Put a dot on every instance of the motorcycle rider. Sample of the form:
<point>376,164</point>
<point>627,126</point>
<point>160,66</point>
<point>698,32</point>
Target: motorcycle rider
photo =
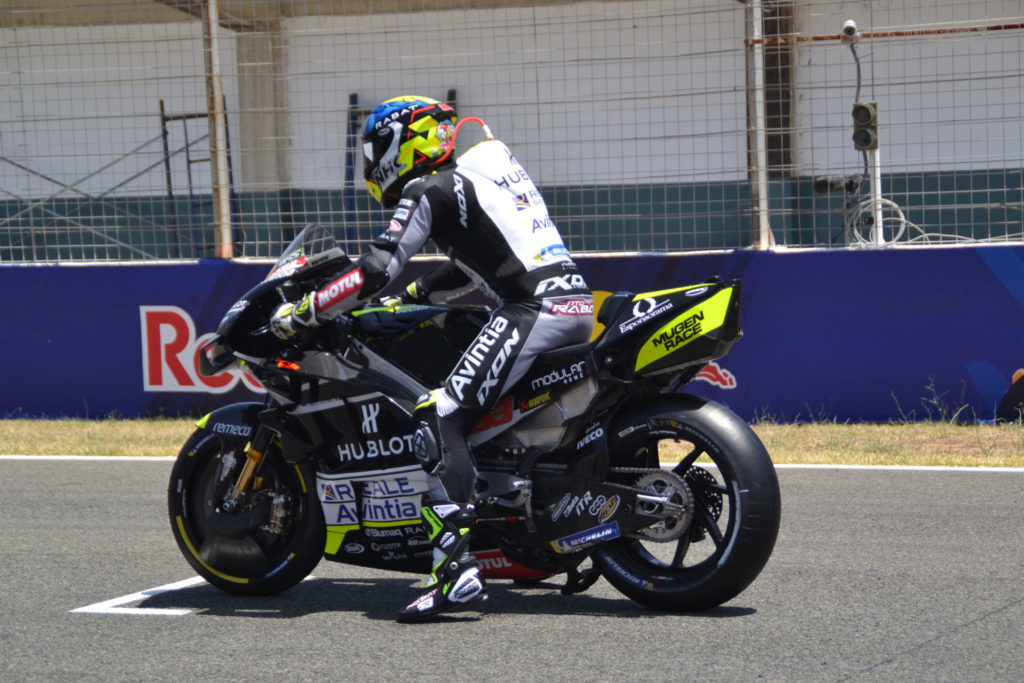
<point>485,213</point>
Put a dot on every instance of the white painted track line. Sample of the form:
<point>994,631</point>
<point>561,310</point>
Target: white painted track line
<point>116,605</point>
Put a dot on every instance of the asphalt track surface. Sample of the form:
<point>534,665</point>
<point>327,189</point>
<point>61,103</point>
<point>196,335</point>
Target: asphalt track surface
<point>878,575</point>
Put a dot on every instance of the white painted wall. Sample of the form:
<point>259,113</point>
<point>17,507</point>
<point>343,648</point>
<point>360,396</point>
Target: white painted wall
<point>78,100</point>
<point>583,93</point>
<point>589,92</point>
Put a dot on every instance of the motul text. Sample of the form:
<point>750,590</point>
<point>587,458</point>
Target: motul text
<point>339,290</point>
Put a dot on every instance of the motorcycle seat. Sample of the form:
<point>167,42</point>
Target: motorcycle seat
<point>562,353</point>
<point>613,307</point>
<point>609,312</point>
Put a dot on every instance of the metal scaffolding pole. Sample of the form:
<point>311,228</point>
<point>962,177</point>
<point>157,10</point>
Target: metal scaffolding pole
<point>759,169</point>
<point>221,190</point>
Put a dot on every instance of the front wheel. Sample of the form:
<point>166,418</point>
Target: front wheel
<point>724,475</point>
<point>264,544</point>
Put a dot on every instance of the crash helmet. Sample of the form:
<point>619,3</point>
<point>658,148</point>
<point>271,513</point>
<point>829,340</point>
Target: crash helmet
<point>404,138</point>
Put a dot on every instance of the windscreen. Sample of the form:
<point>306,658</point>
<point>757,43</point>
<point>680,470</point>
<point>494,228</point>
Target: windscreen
<point>298,255</point>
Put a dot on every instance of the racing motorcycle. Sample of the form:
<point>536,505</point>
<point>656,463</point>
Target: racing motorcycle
<point>571,474</point>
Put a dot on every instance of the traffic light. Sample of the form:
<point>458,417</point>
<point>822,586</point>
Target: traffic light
<point>865,126</point>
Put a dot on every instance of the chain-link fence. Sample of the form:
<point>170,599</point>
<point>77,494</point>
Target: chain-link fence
<point>145,129</point>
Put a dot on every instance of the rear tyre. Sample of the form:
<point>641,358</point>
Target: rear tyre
<point>735,498</point>
<point>268,543</point>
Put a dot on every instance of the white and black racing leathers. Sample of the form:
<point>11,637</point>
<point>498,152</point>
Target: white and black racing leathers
<point>486,214</point>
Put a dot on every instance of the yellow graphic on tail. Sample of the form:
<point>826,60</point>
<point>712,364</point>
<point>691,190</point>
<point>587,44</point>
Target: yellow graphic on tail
<point>691,324</point>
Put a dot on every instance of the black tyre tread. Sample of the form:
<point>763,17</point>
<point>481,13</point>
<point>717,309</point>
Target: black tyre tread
<point>760,512</point>
<point>307,549</point>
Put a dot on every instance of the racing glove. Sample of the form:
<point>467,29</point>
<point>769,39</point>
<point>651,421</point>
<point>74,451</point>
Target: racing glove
<point>291,317</point>
<point>414,293</point>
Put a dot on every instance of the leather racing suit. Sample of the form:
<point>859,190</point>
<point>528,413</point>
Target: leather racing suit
<point>487,215</point>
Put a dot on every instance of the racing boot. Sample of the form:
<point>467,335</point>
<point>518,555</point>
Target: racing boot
<point>455,580</point>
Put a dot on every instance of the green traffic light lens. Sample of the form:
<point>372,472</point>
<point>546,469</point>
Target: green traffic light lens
<point>864,139</point>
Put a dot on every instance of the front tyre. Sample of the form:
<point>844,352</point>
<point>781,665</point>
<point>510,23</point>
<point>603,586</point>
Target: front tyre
<point>735,499</point>
<point>267,544</point>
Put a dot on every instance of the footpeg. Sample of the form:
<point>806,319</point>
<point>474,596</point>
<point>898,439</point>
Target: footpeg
<point>579,581</point>
<point>504,490</point>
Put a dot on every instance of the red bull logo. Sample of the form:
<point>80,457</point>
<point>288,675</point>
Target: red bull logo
<point>715,374</point>
<point>170,355</point>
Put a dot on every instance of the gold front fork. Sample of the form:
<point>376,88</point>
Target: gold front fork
<point>255,451</point>
<point>253,459</point>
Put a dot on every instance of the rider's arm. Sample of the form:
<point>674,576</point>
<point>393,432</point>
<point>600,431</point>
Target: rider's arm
<point>439,285</point>
<point>384,259</point>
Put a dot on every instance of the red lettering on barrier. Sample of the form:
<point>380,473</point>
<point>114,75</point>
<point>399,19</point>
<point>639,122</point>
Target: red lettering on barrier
<point>251,382</point>
<point>220,381</point>
<point>715,374</point>
<point>170,355</point>
<point>160,354</point>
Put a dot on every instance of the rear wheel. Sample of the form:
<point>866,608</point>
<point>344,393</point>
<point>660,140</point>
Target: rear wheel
<point>724,476</point>
<point>265,543</point>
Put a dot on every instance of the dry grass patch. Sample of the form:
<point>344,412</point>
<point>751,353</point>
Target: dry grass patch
<point>155,437</point>
<point>924,443</point>
<point>919,443</point>
<point>911,444</point>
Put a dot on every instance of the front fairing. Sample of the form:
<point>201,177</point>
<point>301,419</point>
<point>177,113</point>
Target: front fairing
<point>311,256</point>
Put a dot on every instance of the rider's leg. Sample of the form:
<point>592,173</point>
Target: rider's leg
<point>499,356</point>
<point>440,443</point>
<point>448,517</point>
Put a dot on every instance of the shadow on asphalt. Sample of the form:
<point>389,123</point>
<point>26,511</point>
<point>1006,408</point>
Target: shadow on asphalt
<point>381,598</point>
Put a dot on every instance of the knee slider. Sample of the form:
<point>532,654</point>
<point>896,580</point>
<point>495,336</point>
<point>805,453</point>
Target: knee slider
<point>425,448</point>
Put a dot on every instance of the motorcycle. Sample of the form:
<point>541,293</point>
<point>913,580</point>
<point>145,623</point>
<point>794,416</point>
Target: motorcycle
<point>570,459</point>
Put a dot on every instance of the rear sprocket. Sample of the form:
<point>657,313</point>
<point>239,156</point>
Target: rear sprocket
<point>678,511</point>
